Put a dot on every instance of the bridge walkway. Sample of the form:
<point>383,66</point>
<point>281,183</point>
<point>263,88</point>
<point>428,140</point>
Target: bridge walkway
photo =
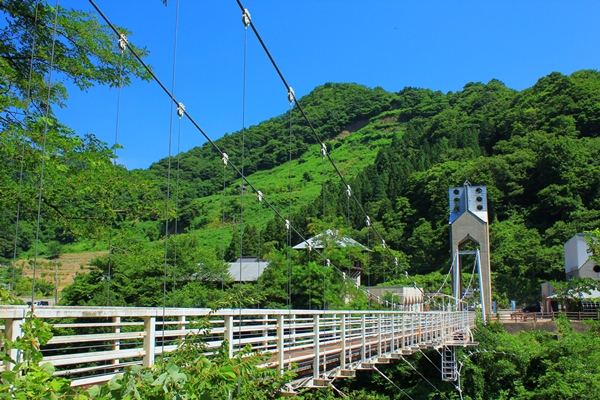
<point>92,344</point>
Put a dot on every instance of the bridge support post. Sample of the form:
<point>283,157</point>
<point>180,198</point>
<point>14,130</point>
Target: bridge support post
<point>280,342</point>
<point>317,346</point>
<point>266,331</point>
<point>393,333</point>
<point>343,339</point>
<point>228,334</point>
<point>379,349</point>
<point>363,339</point>
<point>117,343</point>
<point>149,341</point>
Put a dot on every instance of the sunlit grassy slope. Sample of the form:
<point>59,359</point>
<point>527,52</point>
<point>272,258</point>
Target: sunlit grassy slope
<point>291,185</point>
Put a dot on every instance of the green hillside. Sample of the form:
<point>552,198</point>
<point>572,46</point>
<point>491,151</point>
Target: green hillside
<point>536,150</point>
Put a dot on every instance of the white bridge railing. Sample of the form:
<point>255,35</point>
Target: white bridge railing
<point>92,344</point>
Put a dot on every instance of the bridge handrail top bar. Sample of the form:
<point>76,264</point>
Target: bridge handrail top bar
<point>20,311</point>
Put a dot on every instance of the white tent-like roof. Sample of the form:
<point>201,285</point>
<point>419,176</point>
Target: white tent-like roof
<point>323,239</point>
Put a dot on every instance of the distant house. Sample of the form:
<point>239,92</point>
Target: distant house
<point>577,258</point>
<point>247,269</point>
<point>578,264</point>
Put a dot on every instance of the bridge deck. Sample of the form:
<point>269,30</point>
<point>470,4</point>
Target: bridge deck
<point>92,344</point>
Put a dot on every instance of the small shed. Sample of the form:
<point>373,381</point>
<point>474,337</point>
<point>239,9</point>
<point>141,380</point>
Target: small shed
<point>247,269</point>
<point>408,297</point>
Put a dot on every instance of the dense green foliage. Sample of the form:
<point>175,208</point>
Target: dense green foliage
<point>82,190</point>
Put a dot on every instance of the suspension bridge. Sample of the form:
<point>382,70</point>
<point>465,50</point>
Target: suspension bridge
<point>319,346</point>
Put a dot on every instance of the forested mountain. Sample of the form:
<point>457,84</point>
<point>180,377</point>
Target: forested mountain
<point>536,150</point>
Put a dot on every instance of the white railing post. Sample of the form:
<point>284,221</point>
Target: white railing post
<point>343,338</point>
<point>149,340</point>
<point>317,344</point>
<point>117,343</point>
<point>379,350</point>
<point>392,333</point>
<point>280,342</point>
<point>228,334</point>
<point>363,339</point>
<point>12,328</point>
<point>293,329</point>
<point>182,323</point>
<point>265,332</point>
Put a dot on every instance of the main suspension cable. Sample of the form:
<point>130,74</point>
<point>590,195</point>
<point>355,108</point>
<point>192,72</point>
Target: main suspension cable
<point>316,135</point>
<point>224,156</point>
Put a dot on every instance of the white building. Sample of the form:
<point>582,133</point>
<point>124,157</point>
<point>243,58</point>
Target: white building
<point>577,258</point>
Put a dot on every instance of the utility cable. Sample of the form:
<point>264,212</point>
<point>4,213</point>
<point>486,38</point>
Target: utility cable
<point>122,47</point>
<point>168,199</point>
<point>22,163</point>
<point>176,228</point>
<point>242,188</point>
<point>392,382</point>
<point>457,387</point>
<point>338,391</point>
<point>470,279</point>
<point>243,159</point>
<point>315,134</point>
<point>445,279</point>
<point>224,156</point>
<point>223,223</point>
<point>41,190</point>
<point>288,226</point>
<point>422,376</point>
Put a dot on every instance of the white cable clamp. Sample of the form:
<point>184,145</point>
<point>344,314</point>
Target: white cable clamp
<point>344,275</point>
<point>122,42</point>
<point>287,224</point>
<point>328,262</point>
<point>246,17</point>
<point>180,109</point>
<point>368,221</point>
<point>260,196</point>
<point>406,274</point>
<point>324,149</point>
<point>382,244</point>
<point>291,95</point>
<point>348,190</point>
<point>396,261</point>
<point>225,159</point>
<point>309,246</point>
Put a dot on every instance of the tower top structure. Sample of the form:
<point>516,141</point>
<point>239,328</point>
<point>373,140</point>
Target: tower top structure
<point>472,199</point>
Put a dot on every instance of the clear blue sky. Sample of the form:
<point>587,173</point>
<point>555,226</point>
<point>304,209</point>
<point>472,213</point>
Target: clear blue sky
<point>435,44</point>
